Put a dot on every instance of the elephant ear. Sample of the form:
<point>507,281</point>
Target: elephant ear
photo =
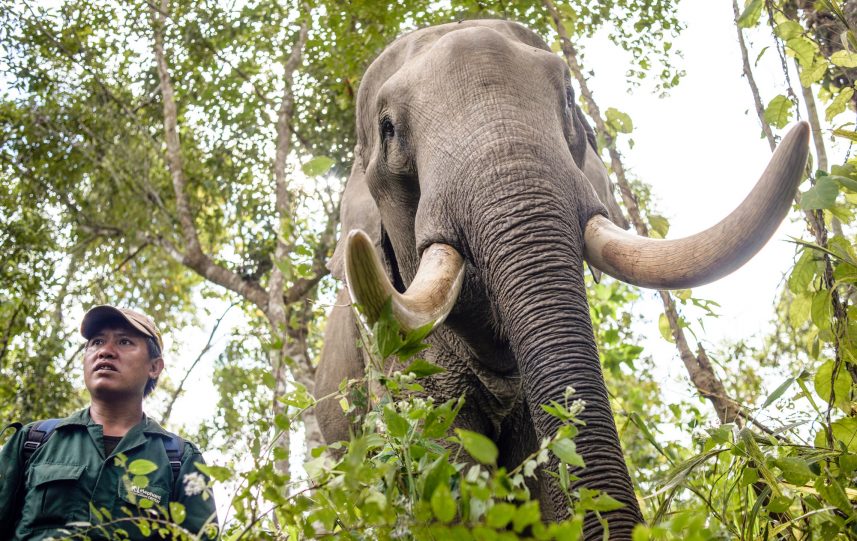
<point>357,210</point>
<point>595,172</point>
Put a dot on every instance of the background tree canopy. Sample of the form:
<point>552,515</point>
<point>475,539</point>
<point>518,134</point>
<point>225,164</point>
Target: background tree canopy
<point>186,158</point>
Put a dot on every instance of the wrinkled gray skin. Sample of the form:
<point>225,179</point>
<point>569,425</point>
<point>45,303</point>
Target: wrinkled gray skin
<point>468,135</point>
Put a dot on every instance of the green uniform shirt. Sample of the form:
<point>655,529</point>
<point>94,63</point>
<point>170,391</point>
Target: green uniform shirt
<point>69,476</point>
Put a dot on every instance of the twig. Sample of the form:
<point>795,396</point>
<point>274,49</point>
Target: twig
<point>699,370</point>
<point>199,357</point>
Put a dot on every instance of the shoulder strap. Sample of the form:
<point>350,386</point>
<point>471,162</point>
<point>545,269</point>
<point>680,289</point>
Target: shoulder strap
<point>174,447</point>
<point>16,425</point>
<point>38,434</point>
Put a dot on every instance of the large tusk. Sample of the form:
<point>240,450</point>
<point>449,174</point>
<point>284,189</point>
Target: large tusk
<point>428,300</point>
<point>715,252</point>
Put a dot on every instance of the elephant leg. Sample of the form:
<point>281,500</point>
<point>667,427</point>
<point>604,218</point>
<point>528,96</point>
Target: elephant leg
<point>341,359</point>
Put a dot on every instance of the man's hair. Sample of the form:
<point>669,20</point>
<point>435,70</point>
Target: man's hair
<point>154,353</point>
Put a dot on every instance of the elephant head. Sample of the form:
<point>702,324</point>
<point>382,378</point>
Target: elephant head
<point>476,181</point>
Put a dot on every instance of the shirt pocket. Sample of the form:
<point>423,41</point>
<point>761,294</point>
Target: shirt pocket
<point>55,496</point>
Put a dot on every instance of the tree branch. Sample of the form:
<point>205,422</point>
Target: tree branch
<point>284,203</point>
<point>171,134</point>
<point>193,256</point>
<point>8,334</point>
<point>199,357</point>
<point>748,74</point>
<point>700,371</point>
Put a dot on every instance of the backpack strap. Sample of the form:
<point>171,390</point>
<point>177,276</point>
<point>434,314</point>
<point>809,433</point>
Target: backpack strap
<point>38,435</point>
<point>174,447</point>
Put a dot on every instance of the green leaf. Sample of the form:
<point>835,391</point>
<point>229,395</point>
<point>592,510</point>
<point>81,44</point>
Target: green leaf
<point>795,470</point>
<point>618,122</point>
<point>751,14</point>
<point>845,257</point>
<point>526,514</point>
<point>397,426</point>
<point>847,183</point>
<point>839,103</point>
<point>799,310</point>
<point>845,430</point>
<point>821,196</point>
<point>439,472</point>
<point>218,473</point>
<point>177,512</point>
<point>317,166</point>
<point>442,504</point>
<point>140,481</point>
<point>778,392</point>
<point>749,476</point>
<point>778,504</point>
<point>478,446</point>
<point>778,111</point>
<point>683,294</point>
<point>422,368</point>
<point>142,466</point>
<point>847,134</point>
<point>664,327</point>
<point>439,419</point>
<point>606,502</point>
<point>813,73</point>
<point>386,331</point>
<point>566,451</point>
<point>787,30</point>
<point>500,515</point>
<point>805,50</point>
<point>845,59</point>
<point>722,434</point>
<point>803,273</point>
<point>841,386</point>
<point>594,500</point>
<point>660,225</point>
<point>145,529</point>
<point>848,463</point>
<point>833,493</point>
<point>822,310</point>
<point>281,421</point>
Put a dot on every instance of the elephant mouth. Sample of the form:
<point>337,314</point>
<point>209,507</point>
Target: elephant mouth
<point>645,262</point>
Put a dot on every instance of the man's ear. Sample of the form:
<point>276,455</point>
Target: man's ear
<point>156,368</point>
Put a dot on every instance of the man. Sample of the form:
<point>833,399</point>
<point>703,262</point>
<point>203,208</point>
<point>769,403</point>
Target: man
<point>85,471</point>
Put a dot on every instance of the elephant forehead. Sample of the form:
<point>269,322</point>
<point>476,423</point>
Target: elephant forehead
<point>463,38</point>
<point>414,43</point>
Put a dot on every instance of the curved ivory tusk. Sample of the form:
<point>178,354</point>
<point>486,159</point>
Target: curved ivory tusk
<point>428,300</point>
<point>715,252</point>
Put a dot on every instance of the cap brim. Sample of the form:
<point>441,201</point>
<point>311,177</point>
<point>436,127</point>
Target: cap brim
<point>97,317</point>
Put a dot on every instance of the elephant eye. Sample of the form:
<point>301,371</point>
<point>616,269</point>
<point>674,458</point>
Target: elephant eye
<point>387,128</point>
<point>569,97</point>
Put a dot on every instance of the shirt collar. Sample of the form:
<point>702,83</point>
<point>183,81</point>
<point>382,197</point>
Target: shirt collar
<point>79,418</point>
<point>82,418</point>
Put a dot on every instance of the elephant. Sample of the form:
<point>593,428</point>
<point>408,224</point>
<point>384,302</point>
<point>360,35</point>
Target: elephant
<point>474,198</point>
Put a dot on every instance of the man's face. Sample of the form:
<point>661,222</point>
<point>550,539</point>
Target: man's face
<point>116,363</point>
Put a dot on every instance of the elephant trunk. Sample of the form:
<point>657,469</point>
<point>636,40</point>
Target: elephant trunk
<point>535,274</point>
